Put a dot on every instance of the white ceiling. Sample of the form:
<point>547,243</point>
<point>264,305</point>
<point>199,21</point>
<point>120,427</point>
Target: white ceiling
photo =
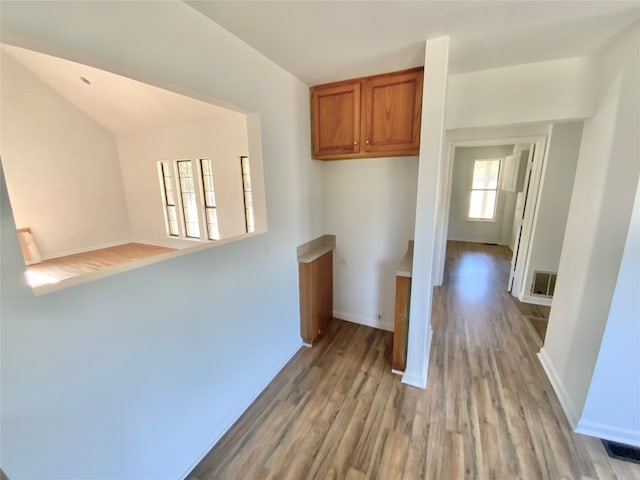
<point>119,104</point>
<point>321,41</point>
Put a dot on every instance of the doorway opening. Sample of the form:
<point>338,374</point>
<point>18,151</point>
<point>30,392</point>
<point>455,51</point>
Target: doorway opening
<point>493,192</point>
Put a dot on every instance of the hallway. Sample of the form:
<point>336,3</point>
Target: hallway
<point>336,411</point>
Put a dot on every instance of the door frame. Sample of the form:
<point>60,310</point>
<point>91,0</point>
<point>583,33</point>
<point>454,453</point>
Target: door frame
<point>539,162</point>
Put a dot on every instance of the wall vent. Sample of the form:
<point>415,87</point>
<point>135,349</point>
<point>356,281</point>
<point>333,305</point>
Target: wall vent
<point>544,283</point>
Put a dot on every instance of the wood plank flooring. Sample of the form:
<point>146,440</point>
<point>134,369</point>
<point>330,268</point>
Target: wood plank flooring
<point>56,269</point>
<point>537,316</point>
<point>337,412</point>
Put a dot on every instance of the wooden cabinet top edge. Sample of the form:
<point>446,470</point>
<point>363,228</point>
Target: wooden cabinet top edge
<point>337,83</point>
<point>365,155</point>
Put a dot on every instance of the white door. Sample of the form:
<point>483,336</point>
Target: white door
<point>521,204</point>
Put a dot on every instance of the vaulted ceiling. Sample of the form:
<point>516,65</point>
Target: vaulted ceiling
<point>118,103</point>
<point>320,41</point>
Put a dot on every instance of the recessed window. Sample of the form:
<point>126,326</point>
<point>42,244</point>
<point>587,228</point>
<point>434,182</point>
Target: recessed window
<point>248,194</point>
<point>168,193</point>
<point>484,190</point>
<point>211,214</point>
<point>188,196</point>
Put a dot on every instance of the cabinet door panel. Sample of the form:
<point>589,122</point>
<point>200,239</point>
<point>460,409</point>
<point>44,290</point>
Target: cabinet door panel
<point>336,119</point>
<point>392,113</point>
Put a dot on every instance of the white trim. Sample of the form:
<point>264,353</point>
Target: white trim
<point>74,251</point>
<point>223,426</point>
<point>558,387</point>
<point>531,211</point>
<point>608,432</point>
<point>418,381</point>
<point>397,372</point>
<point>486,136</point>
<point>369,322</point>
<point>172,242</point>
<point>536,300</point>
<point>491,241</point>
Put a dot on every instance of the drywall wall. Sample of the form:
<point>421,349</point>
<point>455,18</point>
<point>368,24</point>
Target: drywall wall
<point>553,207</point>
<point>597,225</point>
<point>612,409</point>
<point>223,139</point>
<point>434,96</point>
<point>534,92</point>
<point>62,168</point>
<point>137,375</point>
<point>460,227</point>
<point>370,206</point>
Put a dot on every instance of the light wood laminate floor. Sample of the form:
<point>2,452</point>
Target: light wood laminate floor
<point>537,316</point>
<point>337,412</point>
<point>56,269</point>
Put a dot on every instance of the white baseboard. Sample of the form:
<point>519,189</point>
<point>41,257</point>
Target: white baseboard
<point>369,322</point>
<point>64,253</point>
<point>536,300</point>
<point>419,381</point>
<point>490,241</point>
<point>232,417</point>
<point>569,410</point>
<point>178,243</point>
<point>608,432</point>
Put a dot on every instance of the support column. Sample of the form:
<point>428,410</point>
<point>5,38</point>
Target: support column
<point>436,71</point>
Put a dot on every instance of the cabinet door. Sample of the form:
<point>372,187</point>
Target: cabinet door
<point>392,110</point>
<point>335,119</point>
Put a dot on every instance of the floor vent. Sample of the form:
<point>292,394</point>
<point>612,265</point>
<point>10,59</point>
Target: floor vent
<point>619,451</point>
<point>544,283</point>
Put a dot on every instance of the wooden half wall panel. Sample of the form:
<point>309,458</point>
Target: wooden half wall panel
<point>316,297</point>
<point>28,246</point>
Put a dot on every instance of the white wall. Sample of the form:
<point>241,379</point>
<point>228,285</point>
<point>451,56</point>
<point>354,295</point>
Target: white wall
<point>432,135</point>
<point>223,139</point>
<point>62,168</point>
<point>137,375</point>
<point>534,92</point>
<point>599,216</point>
<point>555,195</point>
<point>460,227</point>
<point>370,205</point>
<point>612,408</point>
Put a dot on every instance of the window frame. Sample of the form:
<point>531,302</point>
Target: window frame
<point>164,172</point>
<point>205,206</point>
<point>247,192</point>
<point>183,208</point>
<point>496,190</point>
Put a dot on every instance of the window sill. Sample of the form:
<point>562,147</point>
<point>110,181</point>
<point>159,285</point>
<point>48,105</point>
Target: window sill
<point>484,220</point>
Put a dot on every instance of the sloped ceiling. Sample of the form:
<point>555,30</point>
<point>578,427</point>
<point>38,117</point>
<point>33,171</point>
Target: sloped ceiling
<point>321,41</point>
<point>119,104</point>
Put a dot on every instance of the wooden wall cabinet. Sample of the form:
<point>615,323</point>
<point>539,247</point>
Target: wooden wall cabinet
<point>376,116</point>
<point>316,296</point>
